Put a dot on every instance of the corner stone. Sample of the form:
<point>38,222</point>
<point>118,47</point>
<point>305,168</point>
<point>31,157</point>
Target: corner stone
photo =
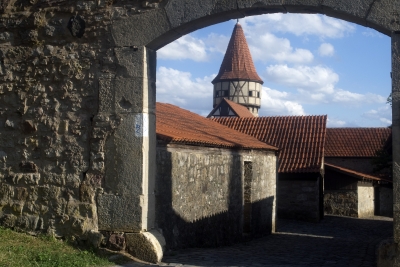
<point>146,246</point>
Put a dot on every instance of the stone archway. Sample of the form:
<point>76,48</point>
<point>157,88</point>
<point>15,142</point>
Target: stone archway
<point>169,20</point>
<point>77,102</point>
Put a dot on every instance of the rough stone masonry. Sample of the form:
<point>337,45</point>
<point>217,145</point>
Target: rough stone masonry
<point>77,100</point>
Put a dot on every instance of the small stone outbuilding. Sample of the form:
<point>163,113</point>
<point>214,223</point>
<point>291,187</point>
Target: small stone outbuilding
<point>301,142</point>
<point>215,185</point>
<point>353,186</point>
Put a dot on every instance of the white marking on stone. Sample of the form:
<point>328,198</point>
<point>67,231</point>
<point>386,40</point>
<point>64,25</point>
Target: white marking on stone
<point>142,125</point>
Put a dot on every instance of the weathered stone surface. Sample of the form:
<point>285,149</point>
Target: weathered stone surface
<point>76,25</point>
<point>128,95</point>
<point>28,127</point>
<point>298,199</point>
<point>384,16</point>
<point>28,167</point>
<point>140,30</point>
<point>303,6</point>
<point>131,61</point>
<point>365,201</point>
<point>259,4</point>
<point>116,242</point>
<point>180,12</point>
<point>354,11</point>
<point>147,246</point>
<point>119,213</point>
<point>386,253</point>
<point>192,219</point>
<point>341,202</point>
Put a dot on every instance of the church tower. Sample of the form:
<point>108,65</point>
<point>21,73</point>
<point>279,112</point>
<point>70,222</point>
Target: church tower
<point>237,79</point>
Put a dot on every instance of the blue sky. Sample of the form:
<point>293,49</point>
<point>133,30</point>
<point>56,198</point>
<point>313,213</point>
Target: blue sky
<point>310,64</point>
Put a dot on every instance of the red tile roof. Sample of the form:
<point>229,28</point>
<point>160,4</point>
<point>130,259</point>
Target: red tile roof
<point>176,125</point>
<point>237,63</point>
<point>355,142</point>
<point>355,174</point>
<point>240,110</point>
<point>300,138</point>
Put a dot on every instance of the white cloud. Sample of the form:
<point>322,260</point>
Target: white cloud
<point>217,42</point>
<point>382,114</point>
<point>317,85</point>
<point>186,47</point>
<point>299,25</point>
<point>267,47</point>
<point>275,103</point>
<point>179,88</point>
<point>316,79</point>
<point>372,33</point>
<point>333,122</point>
<point>326,50</point>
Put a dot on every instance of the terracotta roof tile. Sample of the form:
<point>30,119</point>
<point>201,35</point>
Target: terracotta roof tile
<point>300,138</point>
<point>240,110</point>
<point>355,174</point>
<point>176,125</point>
<point>237,63</point>
<point>355,142</point>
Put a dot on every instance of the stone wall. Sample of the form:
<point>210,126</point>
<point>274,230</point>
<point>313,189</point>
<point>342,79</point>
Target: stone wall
<point>341,202</point>
<point>199,195</point>
<point>299,198</point>
<point>51,156</point>
<point>366,205</point>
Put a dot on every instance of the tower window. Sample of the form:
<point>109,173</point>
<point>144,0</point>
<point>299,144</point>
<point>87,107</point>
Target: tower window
<point>258,94</point>
<point>217,94</point>
<point>250,93</point>
<point>226,93</point>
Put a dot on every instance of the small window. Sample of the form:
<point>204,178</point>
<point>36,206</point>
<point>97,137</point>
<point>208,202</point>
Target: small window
<point>217,94</point>
<point>250,93</point>
<point>258,94</point>
<point>226,93</point>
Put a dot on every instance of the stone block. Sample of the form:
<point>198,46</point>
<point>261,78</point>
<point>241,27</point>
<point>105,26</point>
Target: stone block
<point>258,3</point>
<point>130,95</point>
<point>181,11</point>
<point>140,30</point>
<point>384,16</point>
<point>354,11</point>
<point>131,62</point>
<point>119,213</point>
<point>95,238</point>
<point>303,6</point>
<point>146,246</point>
<point>116,242</point>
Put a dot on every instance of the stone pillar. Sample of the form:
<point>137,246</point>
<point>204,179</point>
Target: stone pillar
<point>396,140</point>
<point>127,203</point>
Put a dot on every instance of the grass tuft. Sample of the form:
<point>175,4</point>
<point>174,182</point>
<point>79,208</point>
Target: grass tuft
<point>19,249</point>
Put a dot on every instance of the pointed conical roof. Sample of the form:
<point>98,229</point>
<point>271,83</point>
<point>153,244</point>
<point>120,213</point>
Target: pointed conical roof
<point>237,63</point>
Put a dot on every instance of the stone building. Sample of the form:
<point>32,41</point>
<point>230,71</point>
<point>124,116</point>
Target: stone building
<point>352,187</point>
<point>300,140</point>
<point>215,185</point>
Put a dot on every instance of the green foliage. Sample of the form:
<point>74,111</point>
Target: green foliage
<point>383,157</point>
<point>18,249</point>
<point>389,100</point>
